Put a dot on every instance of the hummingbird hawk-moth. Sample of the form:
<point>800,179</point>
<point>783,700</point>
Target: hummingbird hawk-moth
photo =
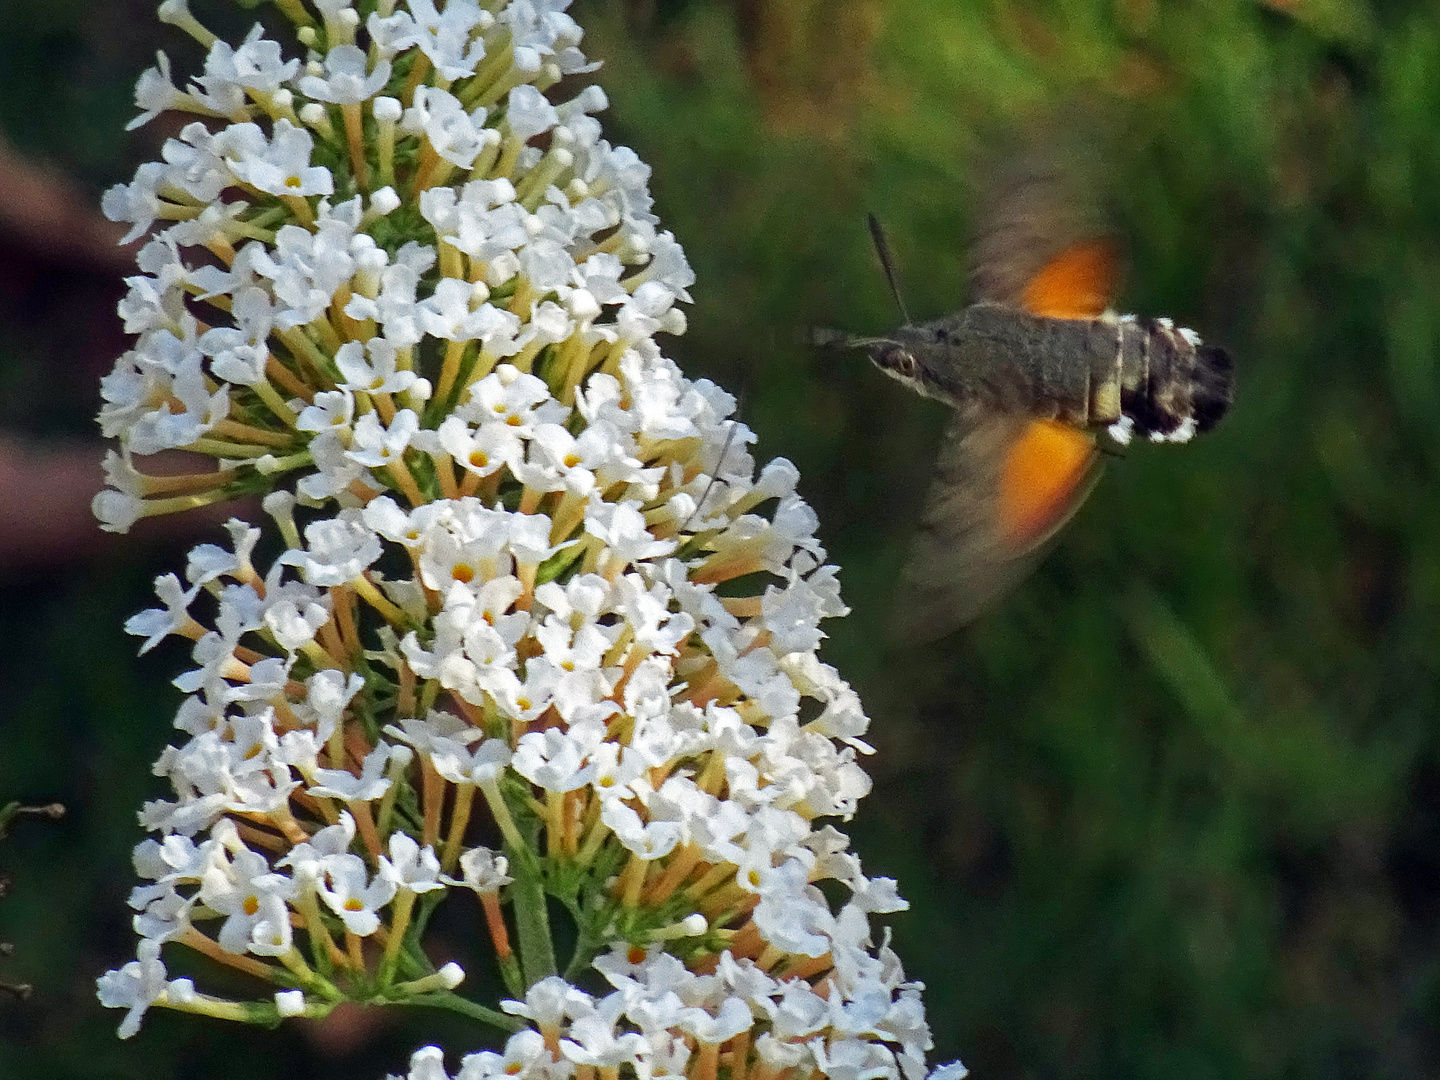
<point>1038,370</point>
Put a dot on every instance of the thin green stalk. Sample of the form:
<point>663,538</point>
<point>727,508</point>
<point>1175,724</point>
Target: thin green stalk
<point>532,920</point>
<point>587,947</point>
<point>466,1007</point>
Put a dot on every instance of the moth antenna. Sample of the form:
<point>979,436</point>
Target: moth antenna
<point>882,248</point>
<point>734,422</point>
<point>724,450</point>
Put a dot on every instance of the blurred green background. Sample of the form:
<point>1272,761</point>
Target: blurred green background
<point>1173,809</point>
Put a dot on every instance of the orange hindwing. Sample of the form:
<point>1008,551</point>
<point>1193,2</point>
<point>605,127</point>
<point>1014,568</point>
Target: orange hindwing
<point>1043,478</point>
<point>1078,283</point>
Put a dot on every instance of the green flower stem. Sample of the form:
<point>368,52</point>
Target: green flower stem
<point>485,161</point>
<point>459,819</point>
<point>399,924</point>
<point>466,1007</point>
<point>428,693</point>
<point>387,807</point>
<point>248,230</point>
<point>221,449</point>
<point>587,947</point>
<point>295,11</point>
<point>414,956</point>
<point>274,402</point>
<point>244,1012</point>
<point>185,483</point>
<point>373,596</point>
<point>498,59</point>
<point>532,919</point>
<point>450,370</point>
<point>308,978</point>
<point>278,372</point>
<point>385,146</point>
<point>285,464</point>
<point>302,348</point>
<point>302,210</point>
<point>321,943</point>
<point>276,440</point>
<point>355,142</point>
<point>172,212</point>
<point>496,801</point>
<point>512,977</point>
<point>194,939</point>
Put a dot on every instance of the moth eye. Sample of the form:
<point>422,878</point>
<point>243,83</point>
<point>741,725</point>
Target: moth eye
<point>895,359</point>
<point>902,363</point>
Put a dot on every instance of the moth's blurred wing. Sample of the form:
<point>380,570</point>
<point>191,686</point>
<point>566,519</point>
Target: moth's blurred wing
<point>1041,241</point>
<point>1003,486</point>
<point>1078,283</point>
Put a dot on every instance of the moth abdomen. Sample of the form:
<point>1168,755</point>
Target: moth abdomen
<point>1172,386</point>
<point>1214,386</point>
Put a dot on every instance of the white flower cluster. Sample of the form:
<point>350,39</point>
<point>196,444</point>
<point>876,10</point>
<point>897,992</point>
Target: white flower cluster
<point>330,294</point>
<point>524,558</point>
<point>659,733</point>
<point>662,1019</point>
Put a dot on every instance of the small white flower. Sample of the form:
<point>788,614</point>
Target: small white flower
<point>375,445</point>
<point>528,113</point>
<point>482,765</point>
<point>276,166</point>
<point>294,626</point>
<point>482,870</point>
<point>653,840</point>
<point>155,624</point>
<point>549,1002</point>
<point>338,550</point>
<point>257,64</point>
<point>156,93</point>
<point>116,511</point>
<point>732,1019</point>
<point>482,450</point>
<point>332,410</point>
<point>594,1041</point>
<point>136,986</point>
<point>308,859</point>
<point>427,1063</point>
<point>137,202</point>
<point>513,398</point>
<point>457,136</point>
<point>620,527</point>
<point>445,37</point>
<point>306,268</point>
<point>456,312</point>
<point>253,900</point>
<point>410,866</point>
<point>552,759</point>
<point>348,891</point>
<point>377,375</point>
<point>952,1071</point>
<point>346,80</point>
<point>371,784</point>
